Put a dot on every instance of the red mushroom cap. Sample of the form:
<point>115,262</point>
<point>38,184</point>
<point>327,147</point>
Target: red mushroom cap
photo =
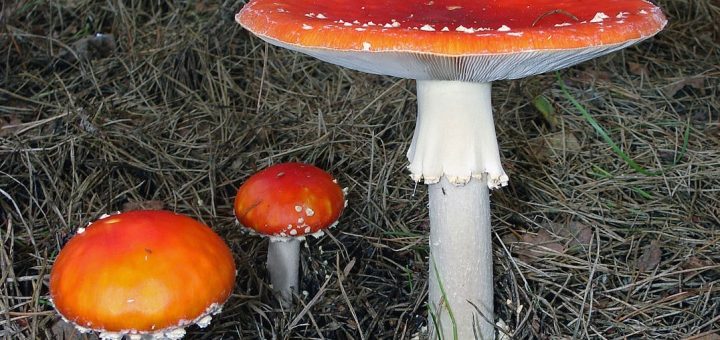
<point>432,39</point>
<point>289,200</point>
<point>142,272</point>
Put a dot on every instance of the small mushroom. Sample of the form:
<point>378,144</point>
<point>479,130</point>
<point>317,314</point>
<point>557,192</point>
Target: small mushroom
<point>142,274</point>
<point>286,202</point>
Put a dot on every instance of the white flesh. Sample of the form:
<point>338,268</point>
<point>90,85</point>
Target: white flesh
<point>460,260</point>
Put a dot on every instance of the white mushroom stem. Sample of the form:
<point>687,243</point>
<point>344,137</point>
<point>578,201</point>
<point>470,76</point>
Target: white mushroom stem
<point>461,270</point>
<point>283,262</point>
<point>455,134</point>
<point>455,150</point>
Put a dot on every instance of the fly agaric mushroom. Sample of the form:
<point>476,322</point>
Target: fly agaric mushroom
<point>142,273</point>
<point>454,49</point>
<point>286,202</point>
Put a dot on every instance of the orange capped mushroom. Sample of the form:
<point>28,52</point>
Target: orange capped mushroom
<point>142,272</point>
<point>287,202</point>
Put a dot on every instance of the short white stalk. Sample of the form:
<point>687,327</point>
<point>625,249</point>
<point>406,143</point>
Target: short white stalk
<point>283,261</point>
<point>461,270</point>
<point>455,134</point>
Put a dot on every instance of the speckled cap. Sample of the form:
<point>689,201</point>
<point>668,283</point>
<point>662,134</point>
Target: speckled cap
<point>289,200</point>
<point>478,40</point>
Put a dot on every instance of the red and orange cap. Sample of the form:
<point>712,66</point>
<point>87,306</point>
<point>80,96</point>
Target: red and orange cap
<point>289,200</point>
<point>142,272</point>
<point>453,39</point>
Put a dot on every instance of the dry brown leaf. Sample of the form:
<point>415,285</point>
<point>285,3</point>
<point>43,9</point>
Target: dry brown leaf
<point>530,247</point>
<point>697,83</point>
<point>89,48</point>
<point>550,145</point>
<point>143,205</point>
<point>709,336</point>
<point>205,6</point>
<point>650,258</point>
<point>696,263</point>
<point>576,233</point>
<point>638,69</point>
<point>589,75</point>
<point>9,126</point>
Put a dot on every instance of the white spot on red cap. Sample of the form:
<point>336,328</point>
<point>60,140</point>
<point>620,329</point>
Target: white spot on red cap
<point>427,28</point>
<point>320,16</point>
<point>452,8</point>
<point>642,11</point>
<point>298,208</point>
<point>503,28</point>
<point>563,24</point>
<point>622,15</point>
<point>306,27</point>
<point>599,17</point>
<point>462,28</point>
<point>307,230</point>
<point>293,232</point>
<point>445,29</point>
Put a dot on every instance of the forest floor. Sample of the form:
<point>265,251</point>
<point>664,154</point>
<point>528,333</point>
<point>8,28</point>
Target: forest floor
<point>607,231</point>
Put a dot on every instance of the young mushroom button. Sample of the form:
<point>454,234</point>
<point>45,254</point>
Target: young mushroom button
<point>455,49</point>
<point>286,202</point>
<point>145,274</point>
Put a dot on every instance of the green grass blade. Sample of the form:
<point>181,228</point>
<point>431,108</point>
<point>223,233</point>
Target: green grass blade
<point>601,131</point>
<point>444,298</point>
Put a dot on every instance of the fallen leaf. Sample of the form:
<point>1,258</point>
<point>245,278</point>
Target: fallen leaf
<point>205,6</point>
<point>590,75</point>
<point>93,47</point>
<point>530,247</point>
<point>638,69</point>
<point>697,82</point>
<point>9,126</point>
<point>576,233</point>
<point>693,262</point>
<point>554,144</point>
<point>143,205</point>
<point>650,258</point>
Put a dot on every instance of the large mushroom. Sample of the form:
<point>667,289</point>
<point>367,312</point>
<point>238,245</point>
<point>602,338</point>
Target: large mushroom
<point>287,202</point>
<point>454,49</point>
<point>142,274</point>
